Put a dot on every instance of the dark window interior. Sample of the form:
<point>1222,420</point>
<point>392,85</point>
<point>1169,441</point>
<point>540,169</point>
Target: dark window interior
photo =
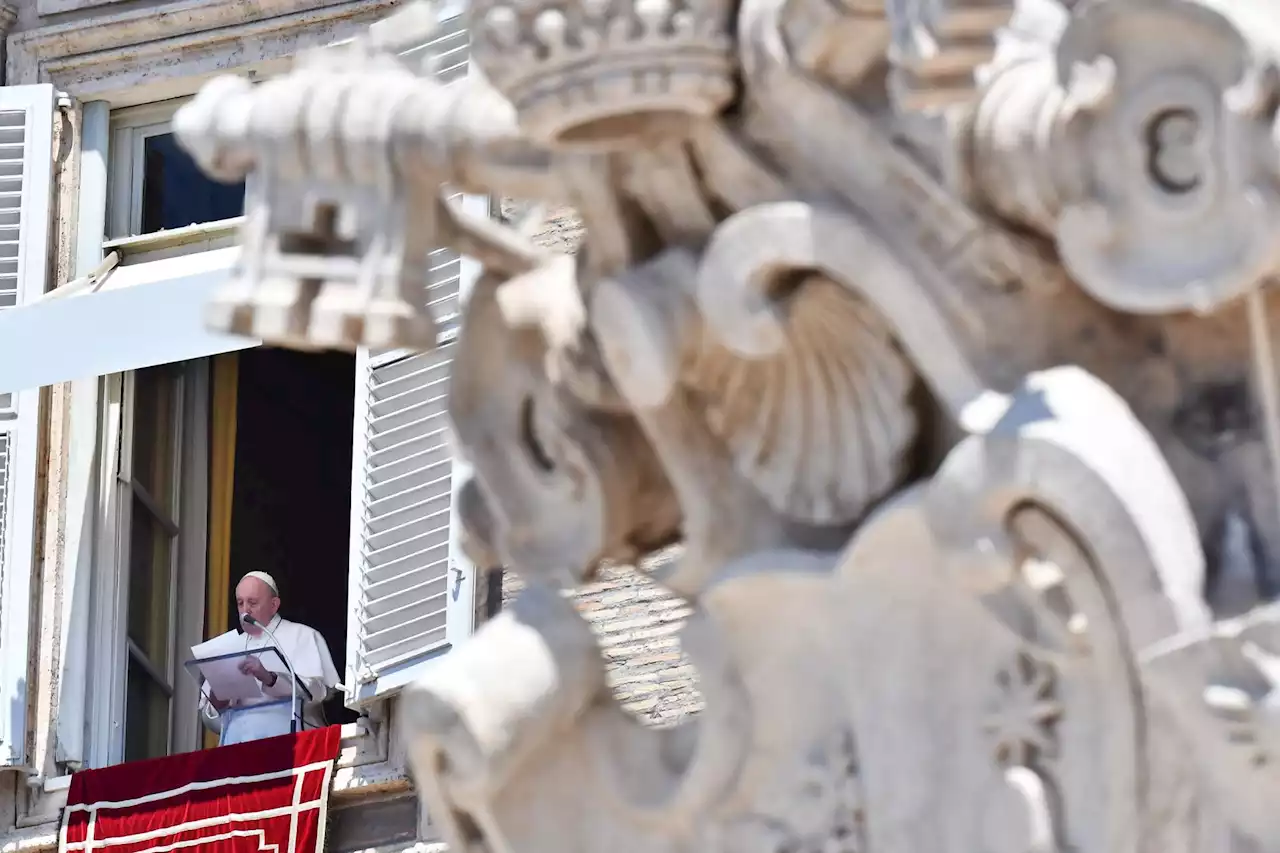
<point>176,193</point>
<point>291,500</point>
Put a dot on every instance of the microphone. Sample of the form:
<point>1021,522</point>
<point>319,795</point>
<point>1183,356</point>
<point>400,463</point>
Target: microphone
<point>294,711</point>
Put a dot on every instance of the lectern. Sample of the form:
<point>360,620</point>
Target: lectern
<point>251,706</point>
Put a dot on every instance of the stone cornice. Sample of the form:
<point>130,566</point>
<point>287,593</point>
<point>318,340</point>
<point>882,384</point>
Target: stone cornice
<point>101,53</point>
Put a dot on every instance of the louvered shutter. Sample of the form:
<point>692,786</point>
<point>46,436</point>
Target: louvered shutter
<point>26,184</point>
<point>448,53</point>
<point>410,589</point>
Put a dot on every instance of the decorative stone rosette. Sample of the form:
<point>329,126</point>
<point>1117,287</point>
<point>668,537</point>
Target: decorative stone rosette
<point>1144,145</point>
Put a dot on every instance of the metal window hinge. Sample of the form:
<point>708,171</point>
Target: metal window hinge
<point>63,101</point>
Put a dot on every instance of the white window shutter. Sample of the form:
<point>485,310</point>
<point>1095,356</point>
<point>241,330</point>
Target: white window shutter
<point>450,47</point>
<point>409,601</point>
<point>411,591</point>
<point>26,186</point>
<point>448,52</point>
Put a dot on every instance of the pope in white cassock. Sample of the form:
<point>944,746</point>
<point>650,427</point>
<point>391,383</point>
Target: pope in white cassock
<point>238,721</point>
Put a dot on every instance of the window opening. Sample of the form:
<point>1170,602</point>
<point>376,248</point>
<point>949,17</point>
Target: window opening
<point>152,562</point>
<point>175,193</point>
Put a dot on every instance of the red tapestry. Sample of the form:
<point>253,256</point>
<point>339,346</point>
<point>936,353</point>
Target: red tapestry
<point>267,796</point>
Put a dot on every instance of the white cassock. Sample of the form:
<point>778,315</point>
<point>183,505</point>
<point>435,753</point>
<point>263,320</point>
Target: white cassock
<point>313,665</point>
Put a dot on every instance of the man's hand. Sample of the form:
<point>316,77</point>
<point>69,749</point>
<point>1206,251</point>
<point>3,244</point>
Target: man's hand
<point>218,704</point>
<point>254,667</point>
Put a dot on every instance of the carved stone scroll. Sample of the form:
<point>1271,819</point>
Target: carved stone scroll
<point>1180,214</point>
<point>892,317</point>
<point>735,287</point>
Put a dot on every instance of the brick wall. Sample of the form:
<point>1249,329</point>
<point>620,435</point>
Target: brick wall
<point>635,620</point>
<point>559,228</point>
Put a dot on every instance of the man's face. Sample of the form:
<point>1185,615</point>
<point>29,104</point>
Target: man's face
<point>255,598</point>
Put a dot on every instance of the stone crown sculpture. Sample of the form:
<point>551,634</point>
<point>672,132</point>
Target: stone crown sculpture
<point>574,70</point>
<point>940,337</point>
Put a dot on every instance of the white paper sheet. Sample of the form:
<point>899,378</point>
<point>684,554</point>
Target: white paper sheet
<point>222,674</point>
<point>228,683</point>
<point>223,644</point>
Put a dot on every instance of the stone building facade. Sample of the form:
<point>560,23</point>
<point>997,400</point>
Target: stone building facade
<point>636,621</point>
<point>104,359</point>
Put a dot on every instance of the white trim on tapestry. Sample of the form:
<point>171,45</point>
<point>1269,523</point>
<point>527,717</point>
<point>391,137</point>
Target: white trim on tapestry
<point>98,805</point>
<point>323,768</point>
<point>364,762</point>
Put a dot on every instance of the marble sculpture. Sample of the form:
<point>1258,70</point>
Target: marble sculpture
<point>937,332</point>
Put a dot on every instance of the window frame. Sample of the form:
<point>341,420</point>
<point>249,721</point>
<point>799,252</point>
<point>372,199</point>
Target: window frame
<point>130,127</point>
<point>369,758</point>
<point>108,630</point>
<point>130,489</point>
<point>110,57</point>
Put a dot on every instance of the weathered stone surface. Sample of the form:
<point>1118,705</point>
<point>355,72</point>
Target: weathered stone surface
<point>944,350</point>
<point>636,623</point>
<point>634,619</point>
<point>555,227</point>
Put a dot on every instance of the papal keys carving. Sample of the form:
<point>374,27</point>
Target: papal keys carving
<point>939,333</point>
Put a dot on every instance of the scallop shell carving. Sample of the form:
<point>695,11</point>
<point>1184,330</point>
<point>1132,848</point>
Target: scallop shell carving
<point>824,425</point>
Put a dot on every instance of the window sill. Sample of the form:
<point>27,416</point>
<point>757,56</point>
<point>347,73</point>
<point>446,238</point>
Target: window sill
<point>366,762</point>
<point>365,765</point>
<point>175,241</point>
<point>30,839</point>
